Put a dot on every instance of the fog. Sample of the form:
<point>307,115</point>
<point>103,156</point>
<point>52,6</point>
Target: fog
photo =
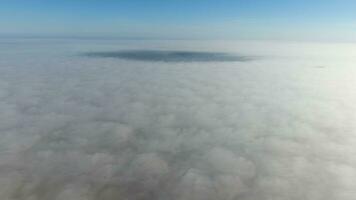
<point>139,120</point>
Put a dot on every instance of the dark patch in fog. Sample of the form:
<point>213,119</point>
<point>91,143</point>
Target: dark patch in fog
<point>171,56</point>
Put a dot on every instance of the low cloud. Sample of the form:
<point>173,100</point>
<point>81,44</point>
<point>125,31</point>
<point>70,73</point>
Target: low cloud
<point>79,128</point>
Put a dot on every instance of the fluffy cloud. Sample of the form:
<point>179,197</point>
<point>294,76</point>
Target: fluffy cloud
<point>99,128</point>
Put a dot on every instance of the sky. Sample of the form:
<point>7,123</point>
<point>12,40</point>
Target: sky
<point>179,19</point>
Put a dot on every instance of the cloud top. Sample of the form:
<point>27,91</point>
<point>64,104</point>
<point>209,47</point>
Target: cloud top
<point>81,128</point>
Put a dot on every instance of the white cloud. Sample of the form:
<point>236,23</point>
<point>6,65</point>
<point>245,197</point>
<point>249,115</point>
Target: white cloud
<point>81,128</point>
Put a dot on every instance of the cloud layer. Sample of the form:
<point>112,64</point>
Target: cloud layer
<point>79,128</point>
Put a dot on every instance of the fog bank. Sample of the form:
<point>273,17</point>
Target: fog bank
<point>74,127</point>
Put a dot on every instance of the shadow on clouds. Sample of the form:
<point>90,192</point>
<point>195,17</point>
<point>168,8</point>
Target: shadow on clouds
<point>171,56</point>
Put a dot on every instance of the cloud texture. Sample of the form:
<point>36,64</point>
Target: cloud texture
<point>79,128</point>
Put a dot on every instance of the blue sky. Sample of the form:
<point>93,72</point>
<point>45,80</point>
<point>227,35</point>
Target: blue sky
<point>206,19</point>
